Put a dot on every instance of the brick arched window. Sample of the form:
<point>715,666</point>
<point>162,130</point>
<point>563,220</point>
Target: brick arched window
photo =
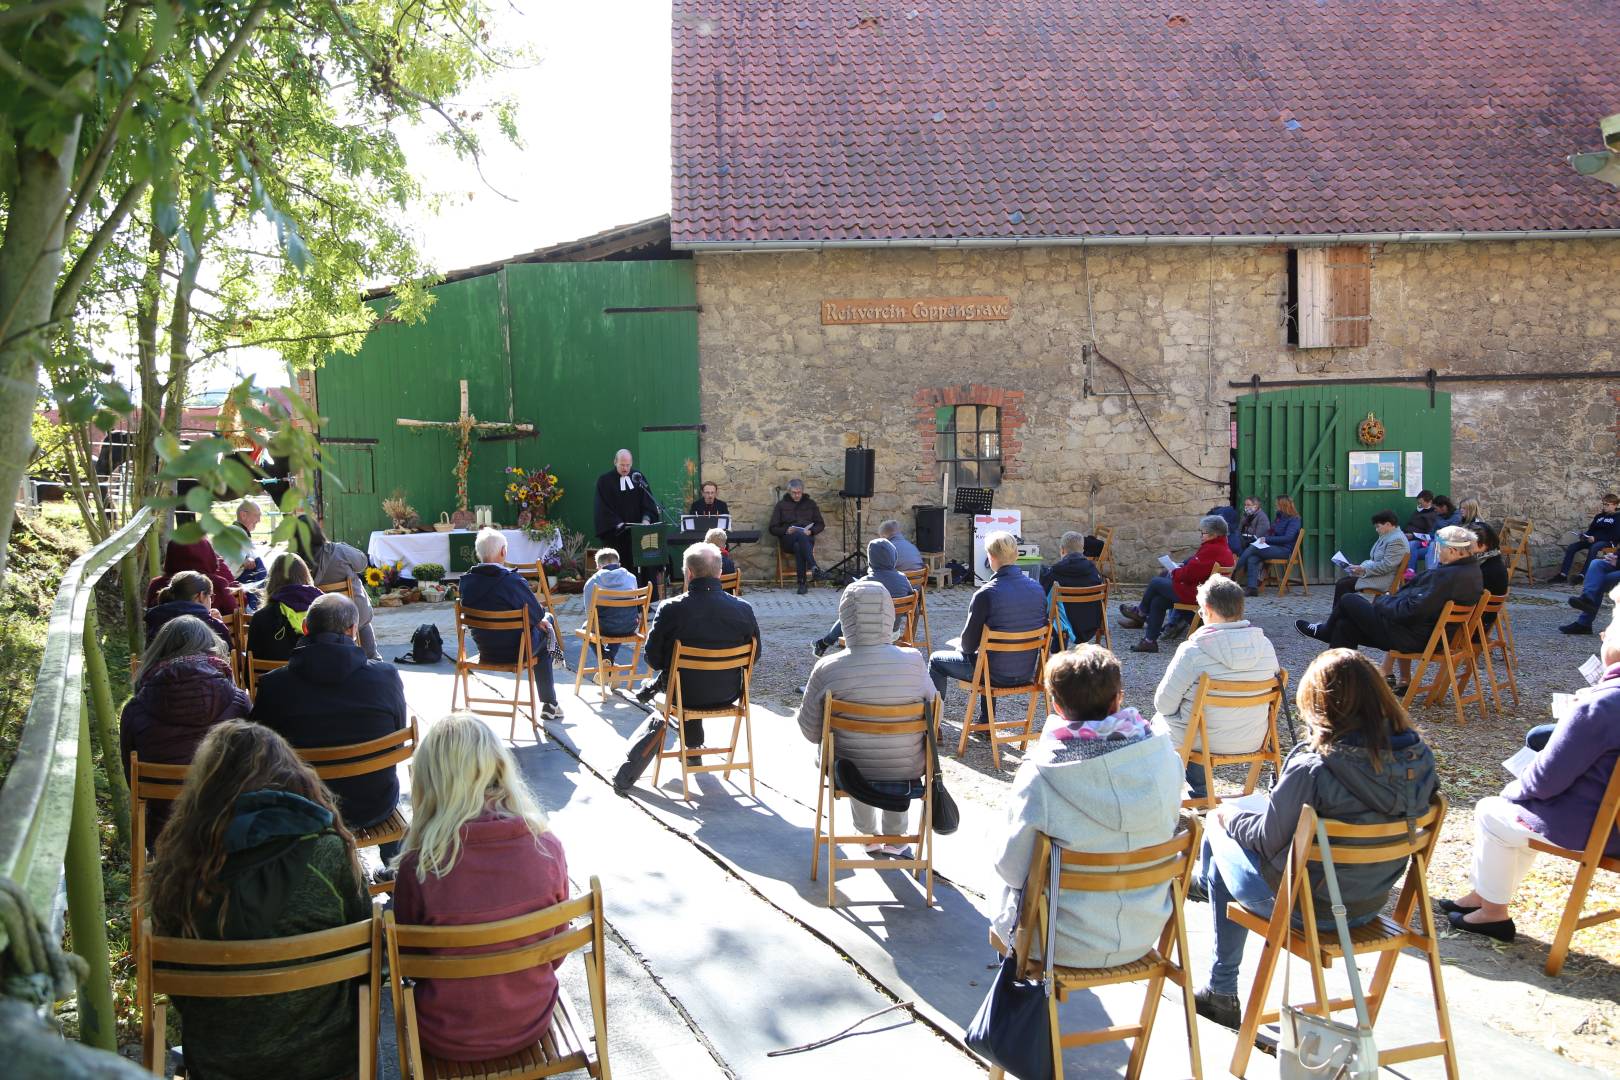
<point>970,434</point>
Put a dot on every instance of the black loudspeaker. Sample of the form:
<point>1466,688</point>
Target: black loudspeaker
<point>860,472</point>
<point>929,532</point>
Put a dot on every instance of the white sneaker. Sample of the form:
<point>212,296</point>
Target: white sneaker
<point>899,851</point>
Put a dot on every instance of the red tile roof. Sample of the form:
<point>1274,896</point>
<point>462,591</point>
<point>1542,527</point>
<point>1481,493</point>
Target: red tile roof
<point>846,120</point>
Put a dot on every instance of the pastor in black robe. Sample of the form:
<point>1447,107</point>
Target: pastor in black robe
<point>617,508</point>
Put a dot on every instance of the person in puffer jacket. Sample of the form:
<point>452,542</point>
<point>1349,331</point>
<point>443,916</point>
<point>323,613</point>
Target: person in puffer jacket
<point>184,689</point>
<point>612,621</point>
<point>1101,779</point>
<point>187,593</point>
<point>1360,762</point>
<point>278,626</point>
<point>880,567</point>
<point>872,671</point>
<point>1227,646</point>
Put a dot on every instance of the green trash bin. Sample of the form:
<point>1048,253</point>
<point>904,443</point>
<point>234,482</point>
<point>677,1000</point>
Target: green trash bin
<point>1031,565</point>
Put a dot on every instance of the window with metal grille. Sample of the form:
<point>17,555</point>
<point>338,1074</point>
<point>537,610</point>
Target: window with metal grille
<point>967,444</point>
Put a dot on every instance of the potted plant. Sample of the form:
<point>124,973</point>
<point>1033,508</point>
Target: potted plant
<point>534,493</point>
<point>571,563</point>
<point>429,577</point>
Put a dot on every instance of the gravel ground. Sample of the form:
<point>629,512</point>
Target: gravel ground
<point>1575,1014</point>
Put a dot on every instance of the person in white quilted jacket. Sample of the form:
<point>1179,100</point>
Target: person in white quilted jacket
<point>1227,646</point>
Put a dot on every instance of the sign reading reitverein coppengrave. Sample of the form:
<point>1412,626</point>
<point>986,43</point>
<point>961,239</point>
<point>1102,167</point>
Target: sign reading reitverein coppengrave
<point>924,309</point>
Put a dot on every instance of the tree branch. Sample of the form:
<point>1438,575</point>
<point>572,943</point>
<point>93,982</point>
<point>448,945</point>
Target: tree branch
<point>278,339</point>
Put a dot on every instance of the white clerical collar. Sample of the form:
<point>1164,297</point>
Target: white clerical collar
<point>625,484</point>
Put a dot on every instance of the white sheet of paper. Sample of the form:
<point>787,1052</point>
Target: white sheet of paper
<point>1339,559</point>
<point>1167,562</point>
<point>1592,670</point>
<point>1254,803</point>
<point>1562,706</point>
<point>1414,473</point>
<point>1520,761</point>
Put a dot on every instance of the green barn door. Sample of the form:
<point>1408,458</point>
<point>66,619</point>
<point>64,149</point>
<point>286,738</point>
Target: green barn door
<point>669,460</point>
<point>1298,443</point>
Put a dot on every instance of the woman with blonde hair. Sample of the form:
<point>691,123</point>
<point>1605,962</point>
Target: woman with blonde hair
<point>278,626</point>
<point>1361,761</point>
<point>478,850</point>
<point>255,849</point>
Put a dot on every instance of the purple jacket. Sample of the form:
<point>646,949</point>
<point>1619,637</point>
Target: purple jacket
<point>174,706</point>
<point>1559,794</point>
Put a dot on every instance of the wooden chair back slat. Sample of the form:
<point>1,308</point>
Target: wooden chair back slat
<point>1013,641</point>
<point>345,587</point>
<point>500,962</point>
<point>691,658</point>
<point>494,620</point>
<point>362,759</point>
<point>514,928</point>
<point>732,582</point>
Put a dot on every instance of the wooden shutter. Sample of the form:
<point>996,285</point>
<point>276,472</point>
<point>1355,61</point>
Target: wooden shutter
<point>1335,295</point>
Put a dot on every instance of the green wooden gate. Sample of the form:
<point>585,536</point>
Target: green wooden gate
<point>1298,443</point>
<point>590,353</point>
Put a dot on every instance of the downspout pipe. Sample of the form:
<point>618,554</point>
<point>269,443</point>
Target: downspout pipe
<point>1296,239</point>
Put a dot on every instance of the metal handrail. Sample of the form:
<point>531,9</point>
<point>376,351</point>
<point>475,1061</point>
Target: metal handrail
<point>48,826</point>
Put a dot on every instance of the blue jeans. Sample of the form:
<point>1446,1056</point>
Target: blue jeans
<point>1233,873</point>
<point>1601,576</point>
<point>948,664</point>
<point>802,546</point>
<point>1588,546</point>
<point>1157,600</point>
<point>1537,737</point>
<point>1248,564</point>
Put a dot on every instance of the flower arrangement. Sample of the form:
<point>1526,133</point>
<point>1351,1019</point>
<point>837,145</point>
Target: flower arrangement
<point>380,579</point>
<point>534,493</point>
<point>399,511</point>
<point>571,559</point>
<point>427,571</point>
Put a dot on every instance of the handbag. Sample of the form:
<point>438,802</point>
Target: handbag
<point>1013,1027</point>
<point>1314,1047</point>
<point>947,818</point>
<point>852,782</point>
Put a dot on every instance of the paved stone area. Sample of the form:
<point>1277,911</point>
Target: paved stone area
<point>725,948</point>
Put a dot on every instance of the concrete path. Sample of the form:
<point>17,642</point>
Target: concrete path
<point>725,948</point>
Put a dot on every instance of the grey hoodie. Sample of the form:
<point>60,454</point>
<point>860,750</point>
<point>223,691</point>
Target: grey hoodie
<point>871,671</point>
<point>1123,799</point>
<point>880,561</point>
<point>1232,650</point>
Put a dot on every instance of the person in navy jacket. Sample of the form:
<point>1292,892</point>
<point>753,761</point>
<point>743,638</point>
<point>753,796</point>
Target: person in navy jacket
<point>1603,531</point>
<point>492,586</point>
<point>1278,543</point>
<point>1010,601</point>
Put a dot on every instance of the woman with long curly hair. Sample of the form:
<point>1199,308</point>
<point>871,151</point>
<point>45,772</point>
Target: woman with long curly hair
<point>478,850</point>
<point>254,848</point>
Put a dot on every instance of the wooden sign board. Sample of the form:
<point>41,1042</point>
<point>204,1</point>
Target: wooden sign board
<point>922,309</point>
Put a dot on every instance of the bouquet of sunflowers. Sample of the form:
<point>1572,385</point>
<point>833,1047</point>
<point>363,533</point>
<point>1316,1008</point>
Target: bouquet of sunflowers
<point>534,493</point>
<point>380,579</point>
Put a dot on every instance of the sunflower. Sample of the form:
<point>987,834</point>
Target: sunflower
<point>374,576</point>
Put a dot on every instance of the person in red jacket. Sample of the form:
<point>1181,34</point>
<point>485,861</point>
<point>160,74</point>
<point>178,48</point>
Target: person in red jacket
<point>478,850</point>
<point>1179,586</point>
<point>202,558</point>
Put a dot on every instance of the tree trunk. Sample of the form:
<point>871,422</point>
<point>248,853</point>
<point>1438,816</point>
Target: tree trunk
<point>30,261</point>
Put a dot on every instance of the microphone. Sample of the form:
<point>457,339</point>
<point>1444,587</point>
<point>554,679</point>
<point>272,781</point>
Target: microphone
<point>638,479</point>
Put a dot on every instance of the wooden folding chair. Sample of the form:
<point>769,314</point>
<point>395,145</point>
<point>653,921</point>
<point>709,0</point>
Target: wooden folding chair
<point>1094,594</point>
<point>919,586</point>
<point>346,587</point>
<point>1497,638</point>
<point>1386,935</point>
<point>887,721</point>
<point>560,1049</point>
<point>732,583</point>
<point>1169,864</point>
<point>1516,548</point>
<point>738,658</point>
<point>193,968</point>
<point>237,623</point>
<point>1590,860</point>
<point>521,670</point>
<point>905,615</point>
<point>382,754</point>
<point>1400,573</point>
<point>1448,643</point>
<point>608,673</point>
<point>148,782</point>
<point>786,569</point>
<point>939,575</point>
<point>1198,616</point>
<point>1035,641</point>
<point>1477,662</point>
<point>254,669</point>
<point>1295,561</point>
<point>535,574</point>
<point>1105,557</point>
<point>1233,694</point>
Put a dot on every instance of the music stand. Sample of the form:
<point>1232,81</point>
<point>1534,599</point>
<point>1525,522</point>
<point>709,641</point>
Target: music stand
<point>972,501</point>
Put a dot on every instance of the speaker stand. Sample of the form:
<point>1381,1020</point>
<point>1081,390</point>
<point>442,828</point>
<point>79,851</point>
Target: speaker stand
<point>841,570</point>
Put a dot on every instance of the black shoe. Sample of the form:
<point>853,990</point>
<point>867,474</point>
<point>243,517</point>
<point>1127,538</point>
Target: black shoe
<point>803,588</point>
<point>1502,930</point>
<point>1308,629</point>
<point>1196,893</point>
<point>1145,645</point>
<point>818,574</point>
<point>693,760</point>
<point>1557,579</point>
<point>820,647</point>
<point>648,691</point>
<point>1222,1009</point>
<point>1447,907</point>
<point>550,710</point>
<point>1251,591</point>
<point>1575,628</point>
<point>1585,603</point>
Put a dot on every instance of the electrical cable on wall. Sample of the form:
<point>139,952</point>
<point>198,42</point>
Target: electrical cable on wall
<point>1148,424</point>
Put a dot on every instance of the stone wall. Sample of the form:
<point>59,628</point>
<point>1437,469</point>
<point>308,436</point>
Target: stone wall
<point>783,394</point>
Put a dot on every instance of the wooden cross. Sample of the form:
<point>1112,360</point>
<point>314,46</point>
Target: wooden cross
<point>465,425</point>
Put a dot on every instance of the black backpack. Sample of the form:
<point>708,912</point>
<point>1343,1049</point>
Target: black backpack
<point>427,646</point>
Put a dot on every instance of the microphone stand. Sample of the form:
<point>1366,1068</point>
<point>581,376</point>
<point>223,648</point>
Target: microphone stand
<point>656,574</point>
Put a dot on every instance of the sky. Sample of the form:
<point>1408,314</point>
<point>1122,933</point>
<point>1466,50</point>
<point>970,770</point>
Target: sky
<point>593,112</point>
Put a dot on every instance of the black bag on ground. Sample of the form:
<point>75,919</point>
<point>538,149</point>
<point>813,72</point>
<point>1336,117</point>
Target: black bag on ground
<point>427,646</point>
<point>1013,1027</point>
<point>853,783</point>
<point>947,818</point>
<point>643,748</point>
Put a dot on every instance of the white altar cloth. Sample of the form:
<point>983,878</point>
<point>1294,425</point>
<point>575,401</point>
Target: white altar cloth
<point>434,547</point>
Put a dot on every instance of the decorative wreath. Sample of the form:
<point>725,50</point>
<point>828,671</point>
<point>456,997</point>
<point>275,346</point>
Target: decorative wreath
<point>1371,431</point>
